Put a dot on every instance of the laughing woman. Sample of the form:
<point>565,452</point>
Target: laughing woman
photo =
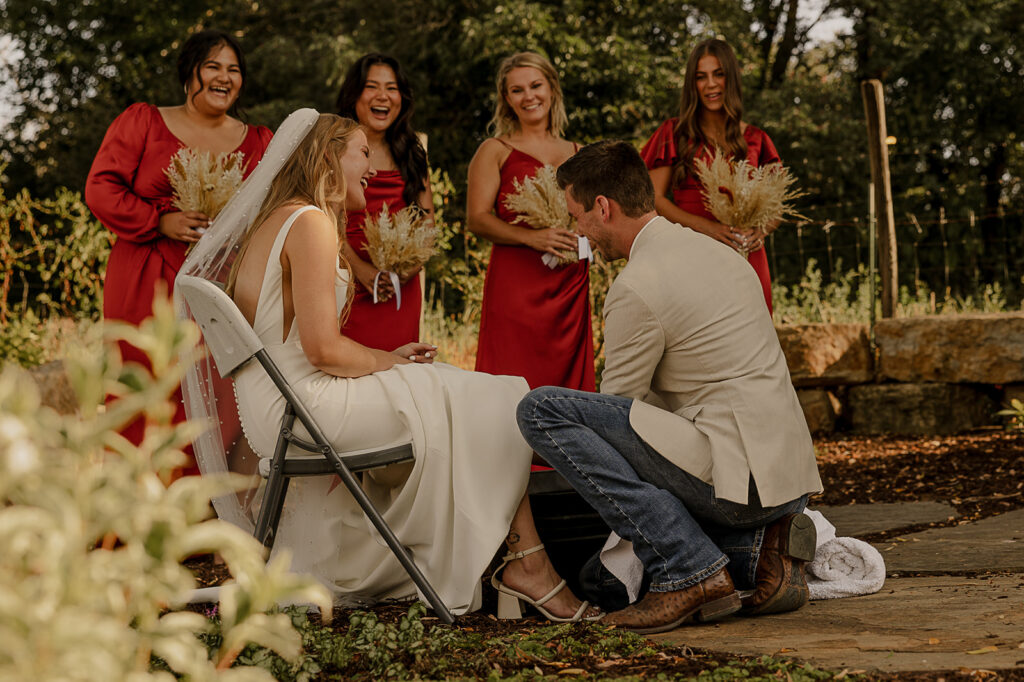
<point>377,94</point>
<point>128,190</point>
<point>710,113</point>
<point>535,321</point>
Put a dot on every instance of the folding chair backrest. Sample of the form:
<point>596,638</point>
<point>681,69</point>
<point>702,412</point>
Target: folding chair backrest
<point>227,334</point>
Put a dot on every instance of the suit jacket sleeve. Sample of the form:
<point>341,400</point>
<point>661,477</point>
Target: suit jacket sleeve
<point>634,342</point>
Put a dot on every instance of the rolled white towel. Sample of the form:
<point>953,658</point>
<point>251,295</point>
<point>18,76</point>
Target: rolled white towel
<point>842,567</point>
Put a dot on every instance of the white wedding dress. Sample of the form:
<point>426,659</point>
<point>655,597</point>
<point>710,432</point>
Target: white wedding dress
<point>453,511</point>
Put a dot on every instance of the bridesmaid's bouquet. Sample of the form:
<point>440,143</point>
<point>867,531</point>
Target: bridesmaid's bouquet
<point>541,203</point>
<point>746,197</point>
<point>399,244</point>
<point>203,181</point>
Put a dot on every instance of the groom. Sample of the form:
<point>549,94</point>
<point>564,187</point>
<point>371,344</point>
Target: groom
<point>696,449</point>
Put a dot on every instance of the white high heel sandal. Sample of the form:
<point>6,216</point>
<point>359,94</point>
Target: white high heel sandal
<point>510,601</point>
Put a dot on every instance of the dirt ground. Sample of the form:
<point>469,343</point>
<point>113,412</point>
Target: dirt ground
<point>980,474</point>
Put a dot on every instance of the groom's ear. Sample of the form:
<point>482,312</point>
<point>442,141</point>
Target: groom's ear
<point>603,203</point>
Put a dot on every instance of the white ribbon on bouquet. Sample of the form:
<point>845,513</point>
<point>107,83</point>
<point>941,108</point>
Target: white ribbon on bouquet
<point>582,248</point>
<point>395,283</point>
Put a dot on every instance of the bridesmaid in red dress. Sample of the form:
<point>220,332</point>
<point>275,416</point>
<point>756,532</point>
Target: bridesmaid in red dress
<point>377,94</point>
<point>128,191</point>
<point>710,116</point>
<point>535,321</point>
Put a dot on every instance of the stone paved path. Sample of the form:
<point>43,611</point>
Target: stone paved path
<point>932,622</point>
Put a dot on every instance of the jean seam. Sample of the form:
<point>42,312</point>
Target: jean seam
<point>697,577</point>
<point>586,477</point>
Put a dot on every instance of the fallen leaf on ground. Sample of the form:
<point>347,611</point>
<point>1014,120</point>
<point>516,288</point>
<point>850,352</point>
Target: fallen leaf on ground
<point>933,640</point>
<point>984,650</point>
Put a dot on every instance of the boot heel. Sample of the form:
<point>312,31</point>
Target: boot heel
<point>509,607</point>
<point>801,538</point>
<point>720,608</point>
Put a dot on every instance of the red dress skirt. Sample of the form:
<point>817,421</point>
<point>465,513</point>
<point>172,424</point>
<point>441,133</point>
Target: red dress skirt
<point>381,325</point>
<point>127,190</point>
<point>535,321</point>
<point>660,151</point>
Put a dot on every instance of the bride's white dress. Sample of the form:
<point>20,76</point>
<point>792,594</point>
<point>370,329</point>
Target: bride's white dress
<point>453,511</point>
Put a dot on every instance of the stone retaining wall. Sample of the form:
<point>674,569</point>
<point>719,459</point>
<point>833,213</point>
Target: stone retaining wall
<point>931,375</point>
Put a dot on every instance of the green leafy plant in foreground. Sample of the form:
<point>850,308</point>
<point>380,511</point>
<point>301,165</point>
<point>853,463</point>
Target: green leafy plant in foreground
<point>1014,410</point>
<point>92,539</point>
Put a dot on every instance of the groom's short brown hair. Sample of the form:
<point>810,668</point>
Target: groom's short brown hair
<point>610,168</point>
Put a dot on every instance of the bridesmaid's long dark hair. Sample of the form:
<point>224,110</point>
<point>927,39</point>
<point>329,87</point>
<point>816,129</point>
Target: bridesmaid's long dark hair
<point>405,146</point>
<point>689,136</point>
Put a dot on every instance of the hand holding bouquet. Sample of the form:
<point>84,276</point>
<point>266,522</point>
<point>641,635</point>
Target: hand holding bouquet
<point>744,197</point>
<point>203,181</point>
<point>541,203</point>
<point>399,244</point>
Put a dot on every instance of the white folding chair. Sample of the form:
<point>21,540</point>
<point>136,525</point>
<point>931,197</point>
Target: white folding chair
<point>233,343</point>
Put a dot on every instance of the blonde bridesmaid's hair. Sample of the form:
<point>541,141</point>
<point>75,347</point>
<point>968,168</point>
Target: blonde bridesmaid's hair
<point>504,121</point>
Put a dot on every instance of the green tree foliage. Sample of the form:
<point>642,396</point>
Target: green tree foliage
<point>953,81</point>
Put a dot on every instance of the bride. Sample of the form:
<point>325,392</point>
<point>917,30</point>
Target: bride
<point>465,491</point>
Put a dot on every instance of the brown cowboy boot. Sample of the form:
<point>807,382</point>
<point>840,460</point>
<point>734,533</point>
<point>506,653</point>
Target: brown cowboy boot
<point>712,598</point>
<point>780,581</point>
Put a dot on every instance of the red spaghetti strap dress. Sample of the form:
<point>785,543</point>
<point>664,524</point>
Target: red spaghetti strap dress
<point>535,321</point>
<point>381,325</point>
<point>128,190</point>
<point>660,151</point>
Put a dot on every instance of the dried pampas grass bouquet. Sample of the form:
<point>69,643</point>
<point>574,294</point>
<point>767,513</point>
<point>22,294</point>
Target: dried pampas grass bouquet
<point>746,197</point>
<point>541,203</point>
<point>400,243</point>
<point>203,181</point>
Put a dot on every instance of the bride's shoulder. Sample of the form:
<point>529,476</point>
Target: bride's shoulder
<point>310,217</point>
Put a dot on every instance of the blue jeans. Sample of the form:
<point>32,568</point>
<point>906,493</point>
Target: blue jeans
<point>680,531</point>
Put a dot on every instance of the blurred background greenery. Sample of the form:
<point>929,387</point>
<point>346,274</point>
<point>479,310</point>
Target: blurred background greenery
<point>954,86</point>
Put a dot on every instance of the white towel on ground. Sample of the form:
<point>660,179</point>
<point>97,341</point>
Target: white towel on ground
<point>842,567</point>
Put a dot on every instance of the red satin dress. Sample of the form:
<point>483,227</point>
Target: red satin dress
<point>535,321</point>
<point>128,190</point>
<point>381,325</point>
<point>660,151</point>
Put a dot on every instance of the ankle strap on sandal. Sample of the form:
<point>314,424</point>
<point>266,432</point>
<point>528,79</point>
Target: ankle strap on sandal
<point>512,556</point>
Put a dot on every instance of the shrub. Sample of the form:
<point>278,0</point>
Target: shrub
<point>91,538</point>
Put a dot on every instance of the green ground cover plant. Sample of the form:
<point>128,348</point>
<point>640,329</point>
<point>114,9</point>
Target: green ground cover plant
<point>92,537</point>
<point>403,643</point>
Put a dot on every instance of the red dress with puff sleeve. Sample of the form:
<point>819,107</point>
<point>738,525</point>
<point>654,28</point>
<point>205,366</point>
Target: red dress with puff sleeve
<point>381,325</point>
<point>660,151</point>
<point>534,321</point>
<point>128,191</point>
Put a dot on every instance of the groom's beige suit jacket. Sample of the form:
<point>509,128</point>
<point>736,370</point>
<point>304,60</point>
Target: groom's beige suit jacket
<point>686,329</point>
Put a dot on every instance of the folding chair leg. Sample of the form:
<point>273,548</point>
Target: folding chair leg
<point>397,548</point>
<point>277,484</point>
<point>328,451</point>
<point>270,512</point>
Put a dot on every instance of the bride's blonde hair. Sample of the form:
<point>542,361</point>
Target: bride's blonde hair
<point>312,175</point>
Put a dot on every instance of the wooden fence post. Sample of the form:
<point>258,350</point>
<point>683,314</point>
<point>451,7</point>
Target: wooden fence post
<point>874,110</point>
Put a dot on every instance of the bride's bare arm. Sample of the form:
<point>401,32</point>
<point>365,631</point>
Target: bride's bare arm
<point>310,255</point>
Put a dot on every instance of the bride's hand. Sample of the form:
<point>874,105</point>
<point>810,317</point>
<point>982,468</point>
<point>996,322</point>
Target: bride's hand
<point>422,353</point>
